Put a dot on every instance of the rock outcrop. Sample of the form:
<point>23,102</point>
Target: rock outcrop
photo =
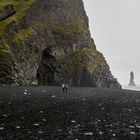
<point>48,42</point>
<point>6,12</point>
<point>131,82</point>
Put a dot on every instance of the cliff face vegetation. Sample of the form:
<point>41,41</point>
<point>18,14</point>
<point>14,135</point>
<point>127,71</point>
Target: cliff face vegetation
<point>48,42</point>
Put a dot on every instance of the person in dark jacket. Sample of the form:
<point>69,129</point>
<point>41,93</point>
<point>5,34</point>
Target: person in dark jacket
<point>65,87</point>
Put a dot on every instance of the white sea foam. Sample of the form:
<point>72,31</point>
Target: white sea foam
<point>137,87</point>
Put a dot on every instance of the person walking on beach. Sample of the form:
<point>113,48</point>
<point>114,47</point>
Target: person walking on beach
<point>65,87</point>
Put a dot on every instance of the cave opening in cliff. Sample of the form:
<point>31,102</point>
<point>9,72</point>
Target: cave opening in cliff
<point>46,69</point>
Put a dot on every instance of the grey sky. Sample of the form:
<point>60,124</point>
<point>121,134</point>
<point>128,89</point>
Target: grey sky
<point>115,27</point>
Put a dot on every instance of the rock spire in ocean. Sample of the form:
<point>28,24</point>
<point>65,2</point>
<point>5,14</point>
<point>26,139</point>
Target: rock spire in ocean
<point>131,82</point>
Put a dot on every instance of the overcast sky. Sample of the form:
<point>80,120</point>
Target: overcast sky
<point>115,27</point>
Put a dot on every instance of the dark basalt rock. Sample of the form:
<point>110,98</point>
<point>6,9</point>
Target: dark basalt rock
<point>132,83</point>
<point>53,45</point>
<point>6,12</point>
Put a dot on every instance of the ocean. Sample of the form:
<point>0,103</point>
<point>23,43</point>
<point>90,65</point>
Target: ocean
<point>137,87</point>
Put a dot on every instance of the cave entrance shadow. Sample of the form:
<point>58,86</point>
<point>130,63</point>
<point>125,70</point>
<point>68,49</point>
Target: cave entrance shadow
<point>46,70</point>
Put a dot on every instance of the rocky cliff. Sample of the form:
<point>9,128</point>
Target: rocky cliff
<point>48,42</point>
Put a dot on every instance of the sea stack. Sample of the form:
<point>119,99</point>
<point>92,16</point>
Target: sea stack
<point>132,83</point>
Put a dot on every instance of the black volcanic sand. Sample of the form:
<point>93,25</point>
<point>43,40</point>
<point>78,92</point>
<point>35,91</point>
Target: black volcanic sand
<point>45,113</point>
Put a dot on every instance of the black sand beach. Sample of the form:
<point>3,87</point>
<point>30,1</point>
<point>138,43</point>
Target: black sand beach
<point>46,113</point>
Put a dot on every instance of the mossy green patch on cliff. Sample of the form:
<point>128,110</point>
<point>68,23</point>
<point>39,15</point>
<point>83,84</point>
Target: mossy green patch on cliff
<point>4,48</point>
<point>3,52</point>
<point>24,34</point>
<point>97,62</point>
<point>69,30</point>
<point>87,57</point>
<point>78,57</point>
<point>20,7</point>
<point>76,27</point>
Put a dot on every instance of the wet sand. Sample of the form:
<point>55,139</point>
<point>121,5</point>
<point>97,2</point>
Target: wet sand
<point>46,113</point>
